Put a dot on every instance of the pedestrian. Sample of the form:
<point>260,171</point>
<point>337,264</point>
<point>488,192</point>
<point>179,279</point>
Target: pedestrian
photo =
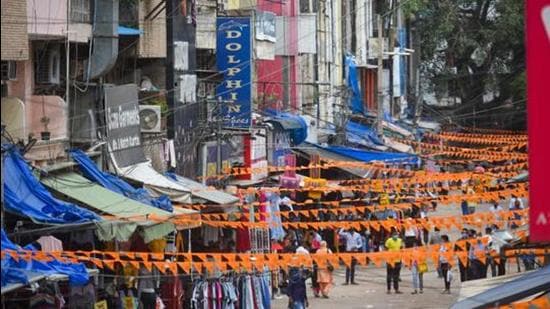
<point>515,203</point>
<point>444,264</point>
<point>464,206</point>
<point>411,234</point>
<point>354,243</point>
<point>495,208</point>
<point>324,274</point>
<point>393,244</point>
<point>418,268</point>
<point>463,268</point>
<point>490,252</point>
<point>297,292</point>
<point>435,239</point>
<point>477,252</point>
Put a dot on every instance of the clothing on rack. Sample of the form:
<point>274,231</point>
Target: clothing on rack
<point>274,219</point>
<point>50,243</point>
<point>232,292</point>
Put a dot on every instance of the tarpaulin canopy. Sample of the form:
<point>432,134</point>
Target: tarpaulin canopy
<point>294,124</point>
<point>17,271</point>
<point>128,31</point>
<point>99,198</point>
<point>26,196</point>
<point>116,184</point>
<point>156,183</point>
<point>356,100</point>
<point>328,156</point>
<point>361,134</point>
<point>199,190</point>
<point>370,156</point>
<point>117,205</point>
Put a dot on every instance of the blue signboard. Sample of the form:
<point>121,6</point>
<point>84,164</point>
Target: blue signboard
<point>233,58</point>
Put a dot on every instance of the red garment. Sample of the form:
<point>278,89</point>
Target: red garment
<point>171,292</point>
<point>243,238</point>
<point>263,207</point>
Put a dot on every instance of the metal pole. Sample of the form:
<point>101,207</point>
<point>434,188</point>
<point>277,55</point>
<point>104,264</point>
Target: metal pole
<point>67,81</point>
<point>2,189</point>
<point>219,139</point>
<point>380,105</point>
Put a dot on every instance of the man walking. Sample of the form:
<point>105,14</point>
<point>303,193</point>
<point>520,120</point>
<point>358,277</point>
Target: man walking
<point>354,243</point>
<point>393,244</point>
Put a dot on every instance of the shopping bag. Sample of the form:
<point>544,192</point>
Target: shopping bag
<point>422,268</point>
<point>160,304</point>
<point>449,276</point>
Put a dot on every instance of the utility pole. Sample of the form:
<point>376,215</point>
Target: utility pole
<point>380,101</point>
<point>219,137</point>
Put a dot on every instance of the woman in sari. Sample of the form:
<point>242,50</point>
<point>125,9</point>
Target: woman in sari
<point>324,275</point>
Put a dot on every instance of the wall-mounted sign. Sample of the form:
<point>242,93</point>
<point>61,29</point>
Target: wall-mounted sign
<point>538,68</point>
<point>233,58</point>
<point>123,125</point>
<point>265,26</point>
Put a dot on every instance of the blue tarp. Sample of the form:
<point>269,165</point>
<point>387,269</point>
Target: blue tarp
<point>356,102</point>
<point>358,133</point>
<point>369,156</point>
<point>294,124</point>
<point>14,271</point>
<point>128,31</point>
<point>115,184</point>
<point>26,196</point>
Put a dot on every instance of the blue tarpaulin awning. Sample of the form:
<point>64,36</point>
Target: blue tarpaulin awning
<point>18,271</point>
<point>26,196</point>
<point>356,100</point>
<point>294,124</point>
<point>128,31</point>
<point>371,156</point>
<point>361,134</point>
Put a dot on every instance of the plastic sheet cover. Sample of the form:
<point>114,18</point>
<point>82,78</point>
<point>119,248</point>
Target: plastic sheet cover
<point>15,271</point>
<point>370,156</point>
<point>26,196</point>
<point>294,124</point>
<point>116,184</point>
<point>356,101</point>
<point>357,132</point>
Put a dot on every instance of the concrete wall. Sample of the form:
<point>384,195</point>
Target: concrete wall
<point>152,42</point>
<point>47,18</point>
<point>14,38</point>
<point>52,107</point>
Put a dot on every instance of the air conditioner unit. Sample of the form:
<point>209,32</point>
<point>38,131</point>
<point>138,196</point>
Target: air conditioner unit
<point>150,118</point>
<point>9,70</point>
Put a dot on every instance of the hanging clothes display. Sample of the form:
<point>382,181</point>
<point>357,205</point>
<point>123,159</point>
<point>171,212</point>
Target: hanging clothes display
<point>50,243</point>
<point>274,219</point>
<point>231,292</point>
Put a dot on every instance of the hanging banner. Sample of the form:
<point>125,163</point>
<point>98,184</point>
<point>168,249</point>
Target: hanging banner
<point>233,58</point>
<point>123,125</point>
<point>184,135</point>
<point>538,68</point>
<point>265,26</point>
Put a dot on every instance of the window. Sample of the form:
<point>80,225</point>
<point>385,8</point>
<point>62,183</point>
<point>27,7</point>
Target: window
<point>80,11</point>
<point>54,67</point>
<point>9,69</point>
<point>309,6</point>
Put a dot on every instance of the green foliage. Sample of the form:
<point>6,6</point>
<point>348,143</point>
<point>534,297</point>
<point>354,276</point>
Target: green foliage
<point>160,100</point>
<point>475,43</point>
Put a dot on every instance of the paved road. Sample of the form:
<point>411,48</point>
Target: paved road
<point>371,291</point>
